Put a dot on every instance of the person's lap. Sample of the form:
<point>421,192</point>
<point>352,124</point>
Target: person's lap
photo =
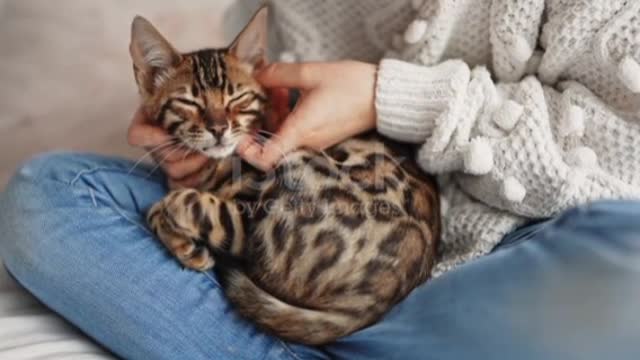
<point>72,231</point>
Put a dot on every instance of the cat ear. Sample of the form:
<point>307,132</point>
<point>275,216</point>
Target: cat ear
<point>153,56</point>
<point>250,47</point>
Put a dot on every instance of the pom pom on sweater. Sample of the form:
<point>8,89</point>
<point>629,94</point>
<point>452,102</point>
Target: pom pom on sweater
<point>582,156</point>
<point>478,159</point>
<point>629,74</point>
<point>520,49</point>
<point>512,190</point>
<point>508,114</point>
<point>415,31</point>
<point>572,121</point>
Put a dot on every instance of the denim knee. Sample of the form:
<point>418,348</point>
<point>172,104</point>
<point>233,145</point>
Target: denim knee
<point>600,241</point>
<point>41,198</point>
<point>609,221</point>
<point>36,185</point>
<point>40,182</point>
<point>64,167</point>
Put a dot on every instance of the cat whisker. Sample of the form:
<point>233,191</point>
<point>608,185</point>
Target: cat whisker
<point>161,161</point>
<point>331,159</point>
<point>187,153</point>
<point>148,153</point>
<point>284,157</point>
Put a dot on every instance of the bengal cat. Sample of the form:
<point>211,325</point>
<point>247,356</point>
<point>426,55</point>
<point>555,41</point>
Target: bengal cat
<point>322,247</point>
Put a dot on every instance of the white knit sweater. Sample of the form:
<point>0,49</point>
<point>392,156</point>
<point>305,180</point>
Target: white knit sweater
<point>522,119</point>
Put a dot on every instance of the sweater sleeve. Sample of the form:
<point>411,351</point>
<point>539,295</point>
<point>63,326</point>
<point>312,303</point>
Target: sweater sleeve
<point>520,147</point>
<point>409,98</point>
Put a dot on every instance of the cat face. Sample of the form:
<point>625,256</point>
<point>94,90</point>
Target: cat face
<point>207,99</point>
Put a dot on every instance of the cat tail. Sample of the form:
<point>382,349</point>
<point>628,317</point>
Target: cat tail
<point>290,322</point>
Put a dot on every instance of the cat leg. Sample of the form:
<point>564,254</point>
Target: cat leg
<point>194,224</point>
<point>174,224</point>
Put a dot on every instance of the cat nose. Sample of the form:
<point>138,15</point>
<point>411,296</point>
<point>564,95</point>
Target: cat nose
<point>218,130</point>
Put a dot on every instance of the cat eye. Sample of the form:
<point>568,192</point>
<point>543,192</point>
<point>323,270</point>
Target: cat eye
<point>189,103</point>
<point>241,102</point>
<point>244,104</point>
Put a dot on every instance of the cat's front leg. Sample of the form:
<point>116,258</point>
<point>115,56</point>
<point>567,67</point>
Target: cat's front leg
<point>178,221</point>
<point>192,224</point>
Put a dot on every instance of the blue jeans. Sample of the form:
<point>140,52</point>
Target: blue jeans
<point>72,232</point>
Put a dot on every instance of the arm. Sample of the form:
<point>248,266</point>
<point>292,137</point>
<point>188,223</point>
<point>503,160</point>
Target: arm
<point>342,99</point>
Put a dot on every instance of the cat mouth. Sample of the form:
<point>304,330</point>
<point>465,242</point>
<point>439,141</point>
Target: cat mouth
<point>218,151</point>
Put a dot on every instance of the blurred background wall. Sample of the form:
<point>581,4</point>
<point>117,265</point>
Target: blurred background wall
<point>65,74</point>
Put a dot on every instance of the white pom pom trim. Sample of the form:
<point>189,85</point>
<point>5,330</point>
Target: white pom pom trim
<point>577,178</point>
<point>582,156</point>
<point>507,116</point>
<point>288,57</point>
<point>572,121</point>
<point>512,190</point>
<point>417,4</point>
<point>415,31</point>
<point>478,159</point>
<point>520,50</point>
<point>629,74</point>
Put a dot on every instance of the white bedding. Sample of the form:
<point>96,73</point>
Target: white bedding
<point>28,330</point>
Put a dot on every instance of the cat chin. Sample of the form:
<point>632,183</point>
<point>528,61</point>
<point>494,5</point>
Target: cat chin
<point>219,152</point>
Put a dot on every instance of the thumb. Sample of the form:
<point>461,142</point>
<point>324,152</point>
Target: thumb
<point>301,75</point>
<point>143,134</point>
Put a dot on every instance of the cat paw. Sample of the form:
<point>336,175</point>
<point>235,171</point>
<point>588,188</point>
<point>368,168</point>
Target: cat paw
<point>194,256</point>
<point>172,221</point>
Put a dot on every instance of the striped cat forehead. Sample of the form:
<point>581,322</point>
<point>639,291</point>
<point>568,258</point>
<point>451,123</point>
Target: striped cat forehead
<point>216,69</point>
<point>209,68</point>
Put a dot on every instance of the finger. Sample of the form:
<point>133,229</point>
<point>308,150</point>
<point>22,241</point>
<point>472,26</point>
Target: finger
<point>189,183</point>
<point>273,151</point>
<point>193,180</point>
<point>267,156</point>
<point>181,170</point>
<point>287,138</point>
<point>244,144</point>
<point>253,153</point>
<point>141,133</point>
<point>249,150</point>
<point>174,153</point>
<point>297,75</point>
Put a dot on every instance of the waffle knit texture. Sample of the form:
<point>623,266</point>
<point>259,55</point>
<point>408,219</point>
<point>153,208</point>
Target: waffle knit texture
<point>476,86</point>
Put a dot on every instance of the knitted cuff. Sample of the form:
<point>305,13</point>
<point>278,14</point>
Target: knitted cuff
<point>410,97</point>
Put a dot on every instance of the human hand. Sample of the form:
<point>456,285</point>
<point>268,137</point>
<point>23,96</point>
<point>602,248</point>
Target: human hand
<point>182,166</point>
<point>337,102</point>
